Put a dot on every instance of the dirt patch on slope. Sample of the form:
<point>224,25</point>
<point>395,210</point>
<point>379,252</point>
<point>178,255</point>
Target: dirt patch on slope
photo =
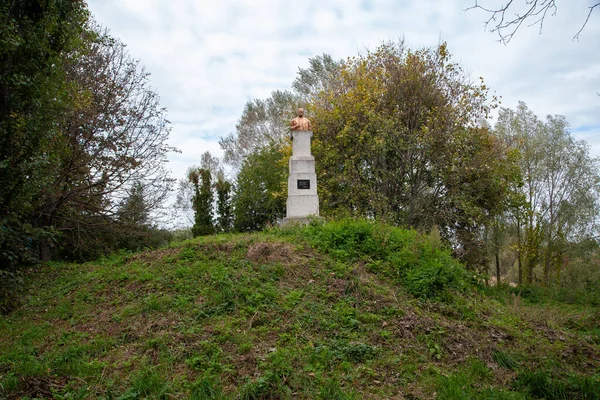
<point>272,252</point>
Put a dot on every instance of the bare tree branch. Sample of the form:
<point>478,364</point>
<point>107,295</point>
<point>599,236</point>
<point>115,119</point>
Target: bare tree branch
<point>502,22</point>
<point>576,37</point>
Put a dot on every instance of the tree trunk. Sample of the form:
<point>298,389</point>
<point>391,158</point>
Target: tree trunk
<point>497,267</point>
<point>44,221</point>
<point>519,245</point>
<point>547,268</point>
<point>45,252</point>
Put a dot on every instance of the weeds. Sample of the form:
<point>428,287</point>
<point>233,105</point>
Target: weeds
<point>504,360</point>
<point>341,311</point>
<point>421,264</point>
<point>541,385</point>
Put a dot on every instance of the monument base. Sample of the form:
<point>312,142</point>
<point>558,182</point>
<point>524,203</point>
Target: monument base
<point>290,222</point>
<point>302,205</point>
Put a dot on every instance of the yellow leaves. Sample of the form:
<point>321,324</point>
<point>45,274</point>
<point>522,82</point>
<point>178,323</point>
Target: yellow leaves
<point>82,99</point>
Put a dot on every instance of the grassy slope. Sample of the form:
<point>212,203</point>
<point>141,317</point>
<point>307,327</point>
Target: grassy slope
<point>267,316</point>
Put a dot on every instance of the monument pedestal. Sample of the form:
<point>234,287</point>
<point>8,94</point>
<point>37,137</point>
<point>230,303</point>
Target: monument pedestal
<point>302,201</point>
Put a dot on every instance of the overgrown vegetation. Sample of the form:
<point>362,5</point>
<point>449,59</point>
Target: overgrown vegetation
<point>419,263</point>
<point>349,309</point>
<point>402,136</point>
<point>83,141</point>
<point>318,313</point>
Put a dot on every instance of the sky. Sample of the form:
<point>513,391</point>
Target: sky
<point>208,58</point>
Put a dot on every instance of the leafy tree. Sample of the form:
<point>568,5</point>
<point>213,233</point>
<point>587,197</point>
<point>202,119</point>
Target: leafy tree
<point>35,38</point>
<point>318,77</point>
<point>113,138</point>
<point>213,164</point>
<point>561,184</point>
<point>396,138</point>
<point>262,122</point>
<point>186,190</point>
<point>224,211</point>
<point>261,193</point>
<point>202,202</point>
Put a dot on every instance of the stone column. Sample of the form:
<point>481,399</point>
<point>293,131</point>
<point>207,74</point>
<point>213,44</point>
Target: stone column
<point>302,201</point>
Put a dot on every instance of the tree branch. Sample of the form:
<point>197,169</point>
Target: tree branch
<point>506,27</point>
<point>576,37</point>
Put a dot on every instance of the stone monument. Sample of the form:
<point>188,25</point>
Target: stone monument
<point>302,201</point>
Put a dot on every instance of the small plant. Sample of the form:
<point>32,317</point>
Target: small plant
<point>208,358</point>
<point>147,382</point>
<point>541,385</point>
<point>331,390</point>
<point>206,388</point>
<point>354,352</point>
<point>257,389</point>
<point>432,341</point>
<point>504,359</point>
<point>435,350</point>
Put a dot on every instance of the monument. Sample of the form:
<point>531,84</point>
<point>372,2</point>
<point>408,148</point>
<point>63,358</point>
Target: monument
<point>302,201</point>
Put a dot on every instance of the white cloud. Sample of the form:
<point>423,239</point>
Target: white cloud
<point>208,58</point>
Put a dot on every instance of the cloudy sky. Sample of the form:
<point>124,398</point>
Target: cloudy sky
<point>208,58</point>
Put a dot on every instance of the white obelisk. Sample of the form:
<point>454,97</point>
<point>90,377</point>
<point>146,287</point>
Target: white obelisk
<point>302,201</point>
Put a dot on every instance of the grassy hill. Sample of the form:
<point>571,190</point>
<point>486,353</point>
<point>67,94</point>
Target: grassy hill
<point>341,311</point>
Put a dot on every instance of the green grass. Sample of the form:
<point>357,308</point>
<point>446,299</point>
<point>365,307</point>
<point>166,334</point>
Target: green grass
<point>349,310</point>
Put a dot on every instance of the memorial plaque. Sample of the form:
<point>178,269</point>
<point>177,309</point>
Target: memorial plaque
<point>303,183</point>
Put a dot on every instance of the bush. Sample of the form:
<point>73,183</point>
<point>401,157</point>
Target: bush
<point>17,251</point>
<point>426,271</point>
<point>433,278</point>
<point>10,288</point>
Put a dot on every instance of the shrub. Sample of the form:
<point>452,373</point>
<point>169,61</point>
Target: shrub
<point>426,270</point>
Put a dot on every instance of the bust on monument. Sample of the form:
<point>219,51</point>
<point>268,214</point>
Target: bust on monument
<point>301,123</point>
<point>302,202</point>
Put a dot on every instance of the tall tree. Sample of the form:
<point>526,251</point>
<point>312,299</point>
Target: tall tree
<point>262,122</point>
<point>202,202</point>
<point>261,192</point>
<point>318,77</point>
<point>266,122</point>
<point>113,138</point>
<point>561,184</point>
<point>397,138</point>
<point>35,39</point>
<point>213,164</point>
<point>185,191</point>
<point>224,209</point>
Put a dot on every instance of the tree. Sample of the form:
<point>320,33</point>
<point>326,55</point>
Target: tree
<point>397,139</point>
<point>560,188</point>
<point>202,202</point>
<point>186,190</point>
<point>134,209</point>
<point>136,229</point>
<point>113,138</point>
<point>261,191</point>
<point>262,122</point>
<point>315,79</point>
<point>224,212</point>
<point>570,190</point>
<point>35,38</point>
<point>213,164</point>
<point>506,25</point>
